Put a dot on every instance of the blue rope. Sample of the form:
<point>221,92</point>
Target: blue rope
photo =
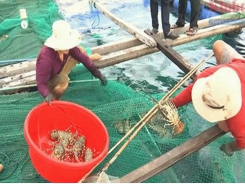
<point>97,14</point>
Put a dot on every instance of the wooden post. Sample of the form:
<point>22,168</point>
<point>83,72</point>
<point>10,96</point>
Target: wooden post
<point>171,157</point>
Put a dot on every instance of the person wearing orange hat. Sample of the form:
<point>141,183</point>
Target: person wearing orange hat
<point>217,95</point>
<point>59,54</point>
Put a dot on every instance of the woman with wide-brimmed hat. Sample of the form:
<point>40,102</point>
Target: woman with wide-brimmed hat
<point>59,54</point>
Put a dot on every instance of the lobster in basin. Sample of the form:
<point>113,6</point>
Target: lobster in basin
<point>68,146</point>
<point>77,148</point>
<point>64,137</point>
<point>58,152</point>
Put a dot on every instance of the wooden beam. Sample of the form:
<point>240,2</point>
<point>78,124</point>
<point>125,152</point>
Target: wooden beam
<point>174,56</point>
<point>124,55</point>
<point>171,157</point>
<point>141,50</point>
<point>8,81</point>
<point>25,81</point>
<point>132,42</point>
<point>116,46</point>
<point>211,31</point>
<point>130,28</point>
<point>212,21</point>
<point>17,68</point>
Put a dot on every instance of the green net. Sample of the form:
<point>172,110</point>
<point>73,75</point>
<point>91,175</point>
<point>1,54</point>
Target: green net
<point>113,103</point>
<point>18,44</point>
<point>41,14</point>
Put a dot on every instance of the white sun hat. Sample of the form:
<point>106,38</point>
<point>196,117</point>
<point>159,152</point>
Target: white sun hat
<point>63,37</point>
<point>218,96</point>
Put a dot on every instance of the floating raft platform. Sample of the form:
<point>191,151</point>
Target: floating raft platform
<point>22,74</point>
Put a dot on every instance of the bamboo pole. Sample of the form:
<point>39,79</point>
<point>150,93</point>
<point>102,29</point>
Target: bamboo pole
<point>211,31</point>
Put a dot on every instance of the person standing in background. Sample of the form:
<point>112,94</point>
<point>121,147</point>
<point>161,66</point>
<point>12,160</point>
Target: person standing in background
<point>194,17</point>
<point>165,10</point>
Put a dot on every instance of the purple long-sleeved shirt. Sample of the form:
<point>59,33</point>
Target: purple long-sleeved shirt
<point>49,64</point>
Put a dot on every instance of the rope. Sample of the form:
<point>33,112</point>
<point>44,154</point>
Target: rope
<point>92,3</point>
<point>12,169</point>
<point>1,159</point>
<point>27,175</point>
<point>12,157</point>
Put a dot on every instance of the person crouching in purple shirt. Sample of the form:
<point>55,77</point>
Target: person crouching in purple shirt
<point>59,54</point>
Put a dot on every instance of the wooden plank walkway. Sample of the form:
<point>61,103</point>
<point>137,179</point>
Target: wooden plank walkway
<point>23,74</point>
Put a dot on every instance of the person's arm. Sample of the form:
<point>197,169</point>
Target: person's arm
<point>43,73</point>
<point>86,61</point>
<point>183,97</point>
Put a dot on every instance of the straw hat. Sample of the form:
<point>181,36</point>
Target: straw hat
<point>218,97</point>
<point>63,37</point>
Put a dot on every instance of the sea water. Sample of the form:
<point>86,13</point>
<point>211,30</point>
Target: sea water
<point>150,73</point>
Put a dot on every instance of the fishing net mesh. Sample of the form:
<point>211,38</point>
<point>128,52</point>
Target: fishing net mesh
<point>113,103</point>
<point>117,102</point>
<point>40,14</point>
